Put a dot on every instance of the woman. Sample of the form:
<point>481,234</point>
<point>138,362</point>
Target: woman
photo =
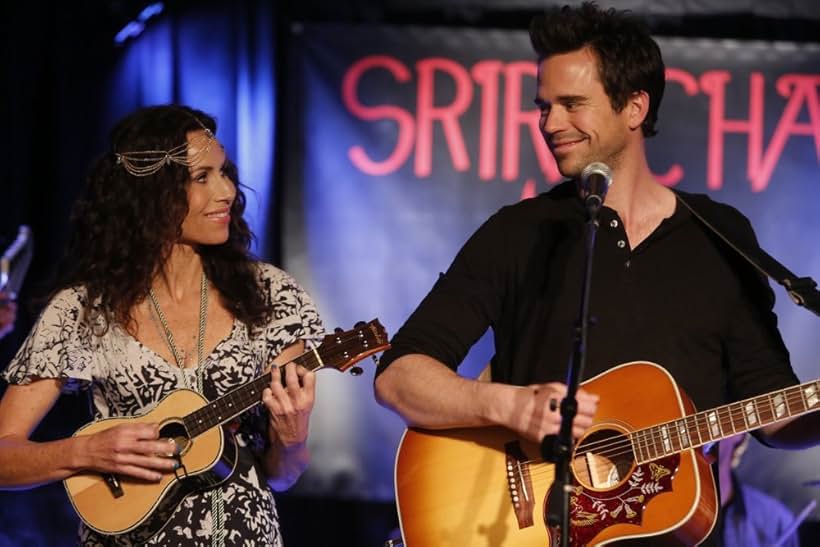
<point>159,292</point>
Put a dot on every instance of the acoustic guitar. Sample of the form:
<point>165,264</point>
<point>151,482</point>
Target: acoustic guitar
<point>115,505</point>
<point>636,473</point>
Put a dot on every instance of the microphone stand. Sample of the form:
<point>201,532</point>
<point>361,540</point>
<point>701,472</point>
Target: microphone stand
<point>558,449</point>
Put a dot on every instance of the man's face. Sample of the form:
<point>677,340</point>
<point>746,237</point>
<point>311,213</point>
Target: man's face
<point>577,119</point>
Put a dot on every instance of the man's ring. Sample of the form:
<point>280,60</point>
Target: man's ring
<point>553,404</point>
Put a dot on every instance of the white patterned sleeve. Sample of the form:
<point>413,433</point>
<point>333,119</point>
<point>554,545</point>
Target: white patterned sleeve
<point>294,314</point>
<point>59,345</point>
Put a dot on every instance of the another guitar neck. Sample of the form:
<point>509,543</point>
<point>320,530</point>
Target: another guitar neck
<point>237,401</point>
<point>724,421</point>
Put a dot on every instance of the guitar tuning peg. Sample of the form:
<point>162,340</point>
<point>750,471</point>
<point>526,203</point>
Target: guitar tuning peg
<point>360,324</point>
<point>356,371</point>
<point>338,330</point>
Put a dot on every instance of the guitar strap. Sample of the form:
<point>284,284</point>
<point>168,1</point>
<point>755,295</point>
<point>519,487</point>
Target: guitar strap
<point>802,290</point>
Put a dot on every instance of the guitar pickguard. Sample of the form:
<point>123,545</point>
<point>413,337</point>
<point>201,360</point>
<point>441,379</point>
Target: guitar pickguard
<point>591,511</point>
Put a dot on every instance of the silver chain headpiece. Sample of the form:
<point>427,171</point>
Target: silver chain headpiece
<point>142,163</point>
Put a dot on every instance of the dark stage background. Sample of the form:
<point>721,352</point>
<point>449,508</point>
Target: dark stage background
<point>375,137</point>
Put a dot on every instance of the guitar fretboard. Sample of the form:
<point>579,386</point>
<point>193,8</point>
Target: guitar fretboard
<point>239,400</point>
<point>724,421</point>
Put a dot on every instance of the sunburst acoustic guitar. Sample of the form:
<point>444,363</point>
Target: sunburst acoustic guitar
<point>636,473</point>
<point>115,505</point>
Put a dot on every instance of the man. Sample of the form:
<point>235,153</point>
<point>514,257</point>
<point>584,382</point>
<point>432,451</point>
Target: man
<point>663,289</point>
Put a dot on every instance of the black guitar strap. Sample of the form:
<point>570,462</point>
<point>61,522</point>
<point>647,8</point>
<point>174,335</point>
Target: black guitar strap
<point>802,290</point>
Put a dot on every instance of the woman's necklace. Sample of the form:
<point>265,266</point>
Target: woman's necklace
<point>217,503</point>
<point>180,357</point>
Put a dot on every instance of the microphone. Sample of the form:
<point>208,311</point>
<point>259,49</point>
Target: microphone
<point>595,181</point>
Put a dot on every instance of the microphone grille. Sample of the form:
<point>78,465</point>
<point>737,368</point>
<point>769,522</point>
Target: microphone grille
<point>599,168</point>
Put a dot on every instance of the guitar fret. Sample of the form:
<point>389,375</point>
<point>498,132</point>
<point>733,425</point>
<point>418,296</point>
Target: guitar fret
<point>714,425</point>
<point>648,455</point>
<point>730,408</point>
<point>645,445</point>
<point>655,441</point>
<point>636,443</point>
<point>683,433</point>
<point>810,395</point>
<point>666,445</point>
<point>772,414</point>
<point>802,400</point>
<point>780,407</point>
<point>691,423</point>
<point>674,437</point>
<point>702,428</point>
<point>750,414</point>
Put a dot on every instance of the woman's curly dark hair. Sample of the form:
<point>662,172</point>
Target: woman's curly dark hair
<point>124,226</point>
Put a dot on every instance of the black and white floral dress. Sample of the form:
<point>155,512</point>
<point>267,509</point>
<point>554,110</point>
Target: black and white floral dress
<point>127,378</point>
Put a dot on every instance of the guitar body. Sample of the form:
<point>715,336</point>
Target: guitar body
<point>487,487</point>
<point>143,508</point>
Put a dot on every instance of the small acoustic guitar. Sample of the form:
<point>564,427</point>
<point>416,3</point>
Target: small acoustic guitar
<point>114,505</point>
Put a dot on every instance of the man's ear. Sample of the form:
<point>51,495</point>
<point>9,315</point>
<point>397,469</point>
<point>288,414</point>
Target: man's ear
<point>637,108</point>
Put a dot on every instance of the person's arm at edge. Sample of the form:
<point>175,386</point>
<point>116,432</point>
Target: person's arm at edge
<point>794,433</point>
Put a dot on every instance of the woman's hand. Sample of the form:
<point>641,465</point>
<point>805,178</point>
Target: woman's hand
<point>289,405</point>
<point>132,449</point>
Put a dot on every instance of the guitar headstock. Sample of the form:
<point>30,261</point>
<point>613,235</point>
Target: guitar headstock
<point>343,349</point>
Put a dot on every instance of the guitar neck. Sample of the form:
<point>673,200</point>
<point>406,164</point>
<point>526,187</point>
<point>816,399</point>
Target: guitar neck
<point>724,421</point>
<point>238,400</point>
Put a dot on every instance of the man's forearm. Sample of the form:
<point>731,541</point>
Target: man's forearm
<point>428,394</point>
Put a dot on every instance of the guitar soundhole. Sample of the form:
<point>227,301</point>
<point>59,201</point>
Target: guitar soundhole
<point>603,459</point>
<point>176,430</point>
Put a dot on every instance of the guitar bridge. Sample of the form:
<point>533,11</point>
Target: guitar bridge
<point>114,485</point>
<point>519,483</point>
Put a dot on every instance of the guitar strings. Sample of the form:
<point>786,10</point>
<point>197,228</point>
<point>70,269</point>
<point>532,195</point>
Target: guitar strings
<point>544,468</point>
<point>623,444</point>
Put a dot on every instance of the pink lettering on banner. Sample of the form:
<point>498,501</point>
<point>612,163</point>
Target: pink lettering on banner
<point>405,120</point>
<point>416,130</point>
<point>448,115</point>
<point>486,74</point>
<point>514,117</point>
<point>713,84</point>
<point>799,89</point>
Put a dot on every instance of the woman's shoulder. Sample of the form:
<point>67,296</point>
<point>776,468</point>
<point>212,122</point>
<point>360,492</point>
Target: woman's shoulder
<point>68,299</point>
<point>275,280</point>
<point>268,273</point>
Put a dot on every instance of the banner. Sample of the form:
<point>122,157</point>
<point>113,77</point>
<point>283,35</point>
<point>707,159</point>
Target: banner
<point>401,141</point>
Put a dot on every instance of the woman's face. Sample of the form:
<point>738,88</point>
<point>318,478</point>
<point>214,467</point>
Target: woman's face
<point>210,192</point>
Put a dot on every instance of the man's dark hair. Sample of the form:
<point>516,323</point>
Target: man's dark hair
<point>629,60</point>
